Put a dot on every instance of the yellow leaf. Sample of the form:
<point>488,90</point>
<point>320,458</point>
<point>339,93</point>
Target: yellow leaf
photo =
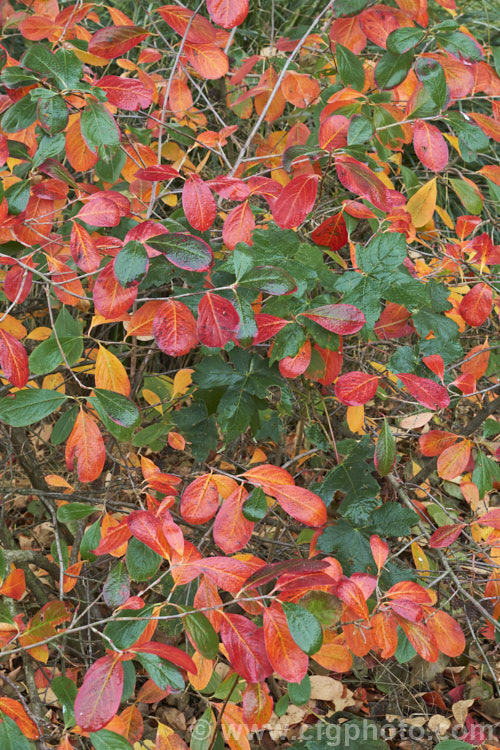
<point>110,374</point>
<point>422,204</point>
<point>13,326</point>
<point>205,670</point>
<point>356,418</point>
<point>257,456</point>
<point>54,382</point>
<point>182,380</point>
<point>445,217</point>
<point>89,59</point>
<point>152,398</point>
<point>420,559</point>
<point>54,480</point>
<point>40,334</point>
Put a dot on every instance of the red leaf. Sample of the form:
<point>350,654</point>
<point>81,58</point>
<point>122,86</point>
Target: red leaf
<point>270,478</point>
<point>207,59</point>
<point>149,530</point>
<point>427,392</point>
<point>333,365</point>
<point>292,367</point>
<point>238,226</point>
<point>421,638</point>
<point>83,249</point>
<point>125,93</point>
<point>99,697</point>
<point>287,659</point>
<point>491,518</point>
<point>200,500</point>
<point>228,573</point>
<point>453,460</point>
<point>13,359</point>
<point>476,305</point>
<point>356,388</point>
<point>435,363</point>
<point>232,530</point>
<point>267,327</point>
<point>114,538</point>
<point>257,705</point>
<point>218,320</point>
<point>291,567</point>
<point>393,323</point>
<point>333,133</point>
<point>445,535</point>
<point>447,633</point>
<point>377,23</point>
<point>85,443</point>
<point>410,590</point>
<point>385,633</point>
<point>157,174</point>
<point>174,328</point>
<point>331,233</point>
<point>227,13</point>
<point>230,188</point>
<point>342,319</point>
<point>430,146</point>
<point>244,643</point>
<point>116,41</point>
<point>301,504</point>
<point>359,179</point>
<point>110,299</point>
<point>476,361</point>
<point>435,442</point>
<point>100,211</point>
<point>380,550</point>
<point>170,653</point>
<point>351,594</point>
<point>295,201</point>
<point>18,281</point>
<point>200,31</point>
<point>198,203</point>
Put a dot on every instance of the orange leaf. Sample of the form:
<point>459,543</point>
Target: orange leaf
<point>110,374</point>
<point>231,529</point>
<point>167,739</point>
<point>85,443</point>
<point>287,659</point>
<point>302,504</point>
<point>453,460</point>
<point>447,633</point>
<point>15,711</point>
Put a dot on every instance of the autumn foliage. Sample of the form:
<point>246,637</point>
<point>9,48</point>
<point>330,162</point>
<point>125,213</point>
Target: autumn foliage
<point>249,368</point>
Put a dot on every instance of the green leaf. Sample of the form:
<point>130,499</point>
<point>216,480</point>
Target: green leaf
<point>52,114</point>
<point>17,196</point>
<point>288,342</point>
<point>91,539</point>
<point>383,254</point>
<point>62,428</point>
<point>405,651</point>
<point>48,147</point>
<point>123,633</point>
<point>109,170</point>
<point>65,691</point>
<point>385,451</point>
<point>269,279</point>
<point>16,77</point>
<point>235,412</point>
<point>11,737</point>
<point>404,39</point>
<point>431,74</point>
<point>131,263</point>
<point>300,692</point>
<point>183,250</point>
<point>304,628</point>
<point>116,589</point>
<point>350,546</point>
<point>74,512</point>
<point>67,69</point>
<point>20,116</point>
<point>202,633</point>
<point>99,128</point>
<point>485,470</point>
<point>470,199</point>
<point>361,130</point>
<point>105,739</point>
<point>353,477</point>
<point>392,519</point>
<point>349,7</point>
<point>142,562</point>
<point>350,67</point>
<point>391,70</point>
<point>453,745</point>
<point>203,731</point>
<point>39,58</point>
<point>356,734</point>
<point>47,355</point>
<point>255,506</point>
<point>460,44</point>
<point>118,407</point>
<point>198,428</point>
<point>3,565</point>
<point>161,672</point>
<point>129,677</point>
<point>281,706</point>
<point>29,406</point>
